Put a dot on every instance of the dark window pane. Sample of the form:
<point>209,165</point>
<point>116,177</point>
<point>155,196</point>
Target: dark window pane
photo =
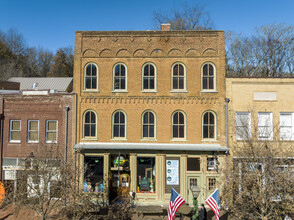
<point>204,84</point>
<point>123,70</point>
<point>116,83</point>
<point>151,118</point>
<point>193,164</point>
<point>116,72</point>
<point>211,70</point>
<point>88,70</point>
<point>145,131</point>
<point>116,117</point>
<point>176,70</point>
<point>151,70</point>
<point>181,131</point>
<point>205,118</point>
<point>93,117</point>
<point>146,70</point>
<point>146,83</point>
<point>211,83</point>
<point>211,131</point>
<point>145,118</point>
<point>87,130</point>
<point>175,83</point>
<point>123,83</point>
<point>205,70</point>
<point>87,117</point>
<point>181,83</point>
<point>151,131</point>
<point>176,118</point>
<point>88,83</point>
<point>94,83</point>
<point>115,130</point>
<point>93,131</point>
<point>211,118</point>
<point>122,131</point>
<point>151,86</point>
<point>181,70</point>
<point>94,71</point>
<point>121,117</point>
<point>181,116</point>
<point>175,131</point>
<point>205,131</point>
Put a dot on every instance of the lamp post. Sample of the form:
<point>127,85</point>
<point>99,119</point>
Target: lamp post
<point>196,191</point>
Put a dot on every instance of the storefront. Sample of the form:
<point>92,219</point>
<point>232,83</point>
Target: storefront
<point>150,170</point>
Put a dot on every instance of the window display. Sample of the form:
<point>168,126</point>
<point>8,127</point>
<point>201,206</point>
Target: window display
<point>93,177</point>
<point>146,175</point>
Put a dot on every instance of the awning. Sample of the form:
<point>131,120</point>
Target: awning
<point>149,146</point>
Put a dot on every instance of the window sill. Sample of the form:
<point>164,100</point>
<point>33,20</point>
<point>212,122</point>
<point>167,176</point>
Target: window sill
<point>179,91</point>
<point>209,140</point>
<point>208,91</point>
<point>33,142</point>
<point>91,91</point>
<point>15,142</point>
<point>118,139</point>
<point>89,139</point>
<point>149,91</point>
<point>146,139</point>
<point>51,142</point>
<point>120,91</point>
<point>180,140</point>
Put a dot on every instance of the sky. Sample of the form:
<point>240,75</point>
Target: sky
<point>51,24</point>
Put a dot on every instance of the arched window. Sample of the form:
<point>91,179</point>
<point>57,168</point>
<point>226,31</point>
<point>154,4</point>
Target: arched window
<point>209,125</point>
<point>178,77</point>
<point>149,77</point>
<point>119,125</point>
<point>148,123</point>
<point>90,122</point>
<point>178,125</point>
<point>208,77</point>
<point>120,77</point>
<point>91,77</point>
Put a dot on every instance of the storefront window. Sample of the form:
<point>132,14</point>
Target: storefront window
<point>93,177</point>
<point>146,175</point>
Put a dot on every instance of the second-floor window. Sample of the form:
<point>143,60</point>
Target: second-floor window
<point>14,131</point>
<point>91,77</point>
<point>119,125</point>
<point>51,131</point>
<point>208,77</point>
<point>148,125</point>
<point>149,77</point>
<point>243,123</point>
<point>286,126</point>
<point>209,125</point>
<point>120,77</point>
<point>33,131</point>
<point>178,77</point>
<point>90,121</point>
<point>178,125</point>
<point>265,126</point>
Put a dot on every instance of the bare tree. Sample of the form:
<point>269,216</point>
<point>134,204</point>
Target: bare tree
<point>260,181</point>
<point>185,18</point>
<point>268,52</point>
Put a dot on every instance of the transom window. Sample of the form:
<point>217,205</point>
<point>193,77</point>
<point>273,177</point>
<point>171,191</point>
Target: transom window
<point>208,77</point>
<point>90,122</point>
<point>149,74</point>
<point>148,125</point>
<point>120,77</point>
<point>178,77</point>
<point>119,124</point>
<point>209,124</point>
<point>33,131</point>
<point>51,131</point>
<point>14,133</point>
<point>91,82</point>
<point>179,125</point>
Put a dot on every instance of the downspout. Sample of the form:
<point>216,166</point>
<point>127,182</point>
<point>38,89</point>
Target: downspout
<point>75,154</point>
<point>65,149</point>
<point>1,137</point>
<point>227,140</point>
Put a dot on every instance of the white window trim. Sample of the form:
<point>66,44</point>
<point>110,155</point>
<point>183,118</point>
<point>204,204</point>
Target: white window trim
<point>155,78</point>
<point>10,130</point>
<point>96,125</point>
<point>185,78</point>
<point>215,126</point>
<point>185,126</point>
<point>112,126</point>
<point>271,126</point>
<point>292,127</point>
<point>249,125</point>
<point>142,124</point>
<point>214,81</point>
<point>113,73</point>
<point>29,141</point>
<point>97,78</point>
<point>47,131</point>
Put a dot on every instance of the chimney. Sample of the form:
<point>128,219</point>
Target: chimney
<point>165,27</point>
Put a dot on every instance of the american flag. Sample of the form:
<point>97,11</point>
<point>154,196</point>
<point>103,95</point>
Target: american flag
<point>175,202</point>
<point>212,202</point>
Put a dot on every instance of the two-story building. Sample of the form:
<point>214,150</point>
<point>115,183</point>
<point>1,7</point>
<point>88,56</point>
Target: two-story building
<point>150,112</point>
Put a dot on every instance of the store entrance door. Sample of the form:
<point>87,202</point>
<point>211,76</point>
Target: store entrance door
<point>193,180</point>
<point>120,184</point>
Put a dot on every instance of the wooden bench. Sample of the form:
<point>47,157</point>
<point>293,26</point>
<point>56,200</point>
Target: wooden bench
<point>149,210</point>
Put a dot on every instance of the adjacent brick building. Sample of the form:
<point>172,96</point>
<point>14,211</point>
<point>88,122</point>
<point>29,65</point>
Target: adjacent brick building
<point>150,111</point>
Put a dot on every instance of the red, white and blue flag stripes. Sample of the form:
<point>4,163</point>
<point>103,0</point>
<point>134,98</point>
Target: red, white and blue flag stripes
<point>212,202</point>
<point>175,202</point>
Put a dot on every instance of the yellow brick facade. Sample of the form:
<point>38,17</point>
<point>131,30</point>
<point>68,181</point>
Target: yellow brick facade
<point>163,49</point>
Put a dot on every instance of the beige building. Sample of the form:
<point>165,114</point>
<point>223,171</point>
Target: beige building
<point>150,112</point>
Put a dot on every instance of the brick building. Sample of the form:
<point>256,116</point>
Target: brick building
<point>31,121</point>
<point>151,111</point>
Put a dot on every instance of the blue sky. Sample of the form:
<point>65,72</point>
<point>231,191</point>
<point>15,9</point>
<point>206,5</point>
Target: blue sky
<point>51,24</point>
